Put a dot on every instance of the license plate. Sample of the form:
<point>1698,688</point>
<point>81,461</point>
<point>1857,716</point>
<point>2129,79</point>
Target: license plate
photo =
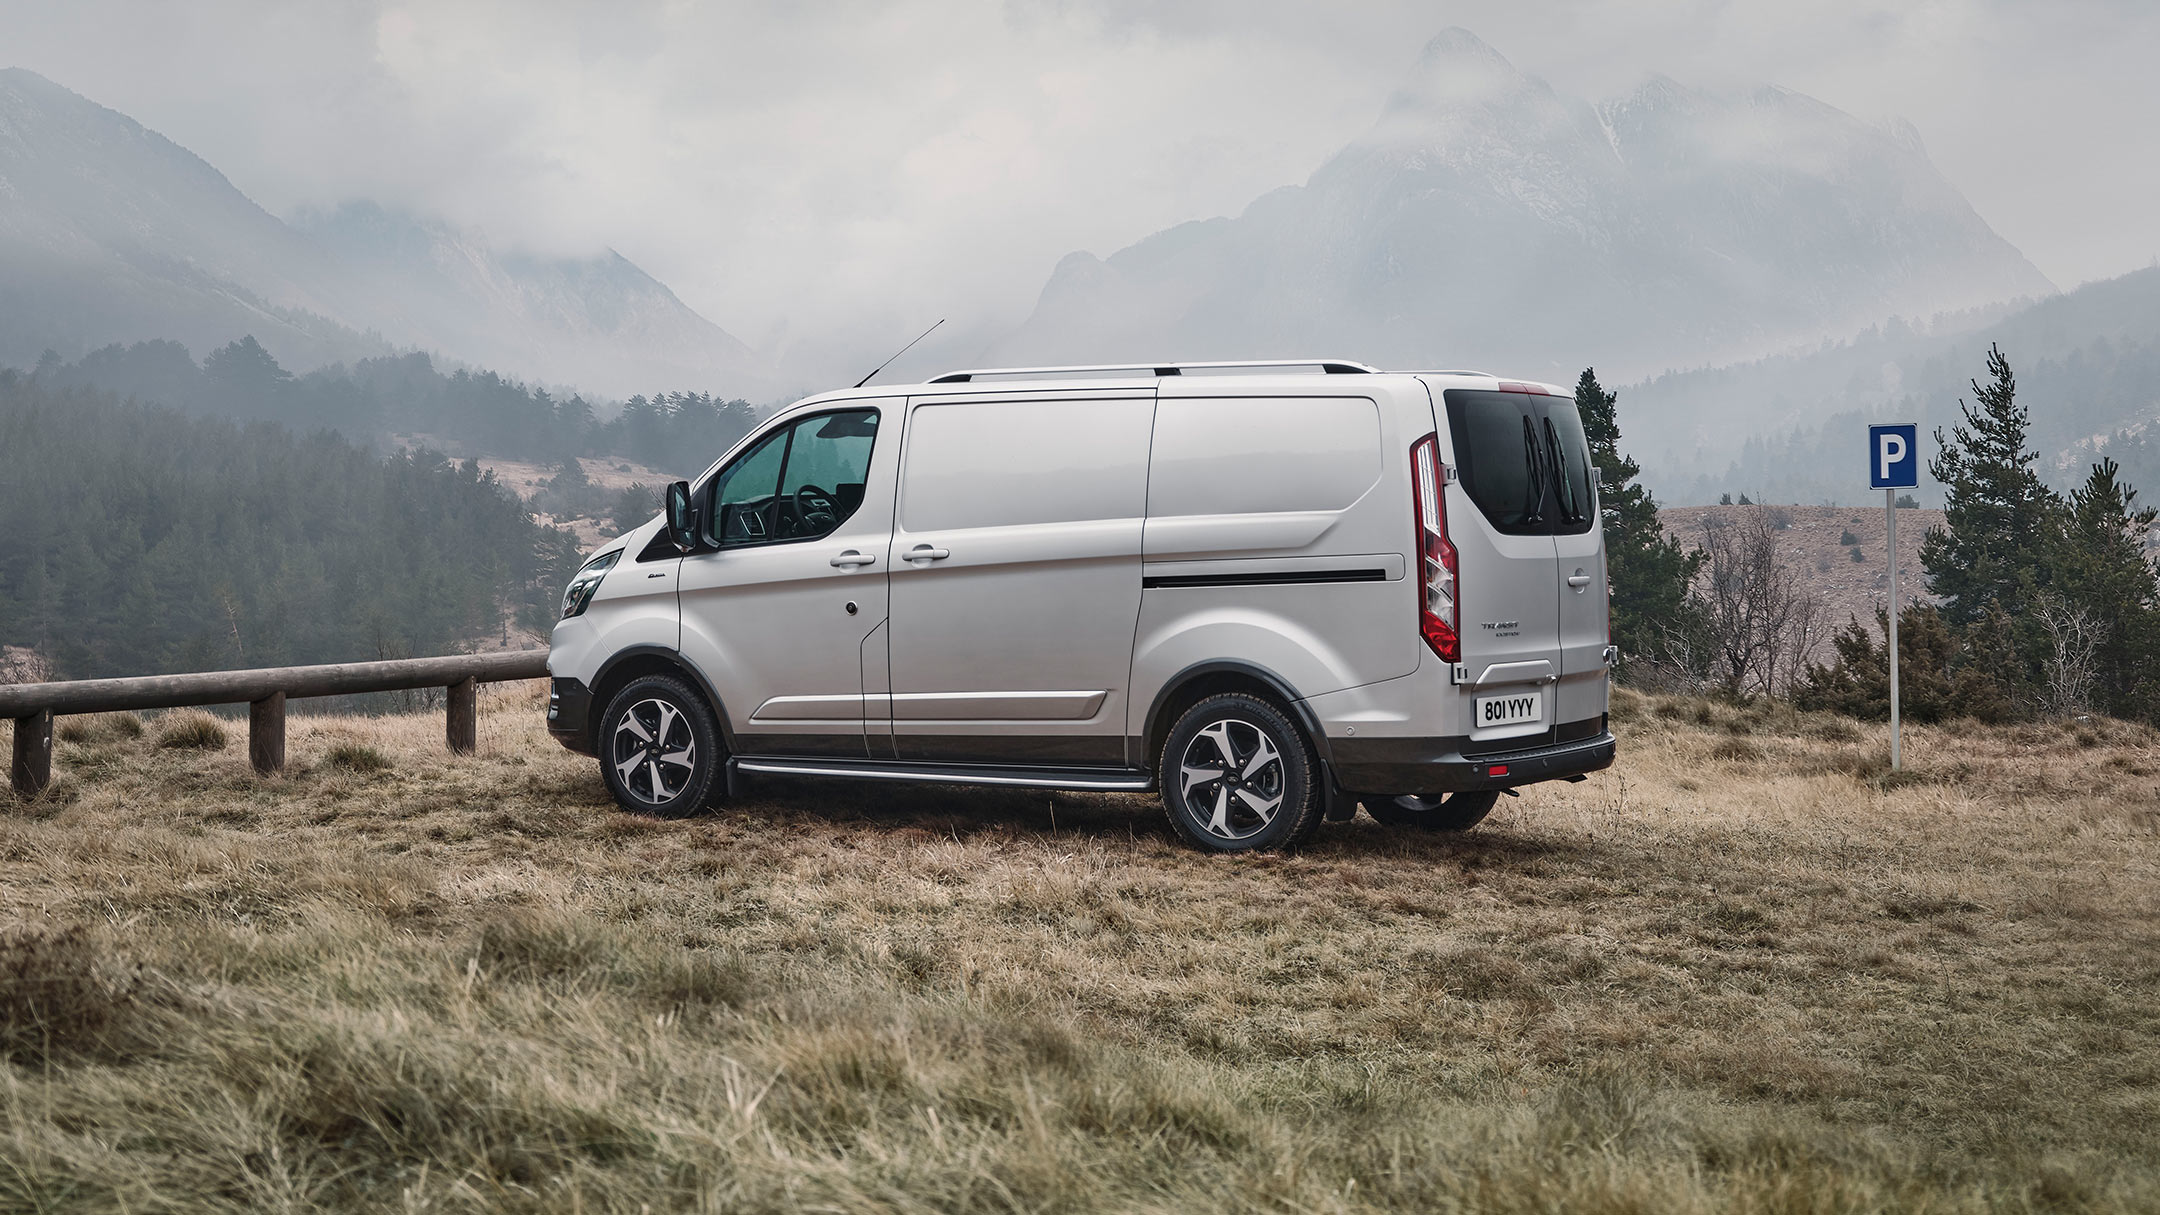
<point>1519,709</point>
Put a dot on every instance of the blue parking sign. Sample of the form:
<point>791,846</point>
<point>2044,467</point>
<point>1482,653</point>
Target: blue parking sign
<point>1894,456</point>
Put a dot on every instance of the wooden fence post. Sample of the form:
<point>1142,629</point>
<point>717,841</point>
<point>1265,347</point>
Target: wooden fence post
<point>463,727</point>
<point>266,734</point>
<point>31,770</point>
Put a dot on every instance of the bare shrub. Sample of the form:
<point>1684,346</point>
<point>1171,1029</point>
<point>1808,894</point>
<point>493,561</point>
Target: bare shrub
<point>2071,669</point>
<point>191,731</point>
<point>1758,620</point>
<point>22,664</point>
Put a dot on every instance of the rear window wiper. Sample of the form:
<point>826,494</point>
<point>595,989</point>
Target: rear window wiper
<point>1568,510</point>
<point>1536,511</point>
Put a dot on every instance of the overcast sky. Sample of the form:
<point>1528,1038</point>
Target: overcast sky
<point>835,176</point>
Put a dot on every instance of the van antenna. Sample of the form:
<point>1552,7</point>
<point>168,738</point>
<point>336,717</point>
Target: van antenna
<point>896,354</point>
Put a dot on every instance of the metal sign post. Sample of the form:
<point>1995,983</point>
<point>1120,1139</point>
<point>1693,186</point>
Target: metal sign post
<point>1893,464</point>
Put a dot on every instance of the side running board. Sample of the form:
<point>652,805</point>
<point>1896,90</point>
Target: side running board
<point>1099,780</point>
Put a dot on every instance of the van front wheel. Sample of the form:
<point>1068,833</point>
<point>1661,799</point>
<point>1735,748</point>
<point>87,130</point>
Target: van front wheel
<point>660,748</point>
<point>1456,812</point>
<point>1237,776</point>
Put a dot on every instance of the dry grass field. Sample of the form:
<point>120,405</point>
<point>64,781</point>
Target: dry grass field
<point>1740,972</point>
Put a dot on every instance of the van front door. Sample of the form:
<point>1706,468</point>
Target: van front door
<point>1016,577</point>
<point>783,606</point>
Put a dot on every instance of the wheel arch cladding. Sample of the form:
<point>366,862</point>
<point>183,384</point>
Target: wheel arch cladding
<point>1196,683</point>
<point>640,661</point>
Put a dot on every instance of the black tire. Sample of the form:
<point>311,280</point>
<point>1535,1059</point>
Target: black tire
<point>667,712</point>
<point>1456,812</point>
<point>1265,793</point>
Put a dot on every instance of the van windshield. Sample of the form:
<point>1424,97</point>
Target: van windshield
<point>1524,460</point>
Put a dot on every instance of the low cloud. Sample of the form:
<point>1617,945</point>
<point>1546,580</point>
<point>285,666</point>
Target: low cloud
<point>830,178</point>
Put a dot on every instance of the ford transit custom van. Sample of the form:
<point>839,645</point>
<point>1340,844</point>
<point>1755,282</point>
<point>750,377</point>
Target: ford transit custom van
<point>1269,592</point>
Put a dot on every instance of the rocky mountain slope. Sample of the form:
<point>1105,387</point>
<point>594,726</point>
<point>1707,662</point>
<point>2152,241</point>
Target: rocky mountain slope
<point>1489,220</point>
<point>110,232</point>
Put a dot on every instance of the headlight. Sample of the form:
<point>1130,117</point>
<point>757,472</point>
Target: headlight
<point>587,581</point>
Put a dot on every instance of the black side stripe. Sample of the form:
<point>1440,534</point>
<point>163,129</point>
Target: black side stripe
<point>1287,578</point>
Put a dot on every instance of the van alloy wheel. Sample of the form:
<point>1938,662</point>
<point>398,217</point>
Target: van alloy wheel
<point>654,751</point>
<point>660,747</point>
<point>1235,773</point>
<point>1238,776</point>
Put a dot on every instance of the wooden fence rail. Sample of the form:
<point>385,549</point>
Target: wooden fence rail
<point>264,691</point>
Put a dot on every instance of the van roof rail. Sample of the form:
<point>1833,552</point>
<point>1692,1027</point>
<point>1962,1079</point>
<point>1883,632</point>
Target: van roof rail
<point>1325,366</point>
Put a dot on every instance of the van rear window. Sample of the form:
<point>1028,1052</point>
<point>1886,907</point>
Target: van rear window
<point>1523,460</point>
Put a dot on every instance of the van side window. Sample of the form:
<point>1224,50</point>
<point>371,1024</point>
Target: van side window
<point>1013,463</point>
<point>826,466</point>
<point>800,483</point>
<point>744,492</point>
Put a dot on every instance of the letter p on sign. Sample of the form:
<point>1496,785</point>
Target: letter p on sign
<point>1894,456</point>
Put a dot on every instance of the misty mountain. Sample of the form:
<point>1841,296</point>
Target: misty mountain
<point>111,233</point>
<point>1489,220</point>
<point>598,321</point>
<point>1791,428</point>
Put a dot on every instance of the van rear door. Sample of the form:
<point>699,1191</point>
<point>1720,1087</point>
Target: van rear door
<point>1502,515</point>
<point>1579,545</point>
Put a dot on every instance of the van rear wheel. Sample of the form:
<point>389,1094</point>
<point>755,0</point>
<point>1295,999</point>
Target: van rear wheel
<point>660,750</point>
<point>1454,812</point>
<point>1238,776</point>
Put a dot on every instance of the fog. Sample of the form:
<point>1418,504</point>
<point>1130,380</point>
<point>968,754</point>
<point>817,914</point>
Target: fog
<point>824,181</point>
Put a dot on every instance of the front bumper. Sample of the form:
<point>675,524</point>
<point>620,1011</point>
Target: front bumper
<point>569,714</point>
<point>1427,766</point>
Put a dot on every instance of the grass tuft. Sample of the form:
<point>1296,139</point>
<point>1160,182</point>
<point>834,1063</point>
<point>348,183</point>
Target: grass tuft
<point>191,730</point>
<point>99,728</point>
<point>357,757</point>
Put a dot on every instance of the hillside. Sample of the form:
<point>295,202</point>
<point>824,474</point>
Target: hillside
<point>1810,546</point>
<point>1491,220</point>
<point>111,233</point>
<point>1742,971</point>
<point>1791,428</point>
<point>140,540</point>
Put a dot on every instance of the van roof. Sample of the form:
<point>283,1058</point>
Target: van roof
<point>1134,375</point>
<point>1322,366</point>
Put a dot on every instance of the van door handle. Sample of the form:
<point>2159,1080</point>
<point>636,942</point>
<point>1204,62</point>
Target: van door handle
<point>923,552</point>
<point>1579,581</point>
<point>852,558</point>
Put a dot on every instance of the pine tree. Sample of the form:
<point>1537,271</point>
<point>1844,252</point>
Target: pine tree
<point>1999,518</point>
<point>1939,677</point>
<point>2100,567</point>
<point>1649,570</point>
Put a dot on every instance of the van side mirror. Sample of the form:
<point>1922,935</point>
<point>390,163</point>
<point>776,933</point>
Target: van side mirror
<point>681,520</point>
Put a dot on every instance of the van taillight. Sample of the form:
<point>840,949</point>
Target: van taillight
<point>1436,556</point>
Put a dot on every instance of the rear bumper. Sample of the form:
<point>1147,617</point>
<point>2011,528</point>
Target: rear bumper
<point>1426,766</point>
<point>569,714</point>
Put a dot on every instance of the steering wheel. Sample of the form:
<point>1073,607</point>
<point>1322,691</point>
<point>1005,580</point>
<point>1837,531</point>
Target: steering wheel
<point>813,503</point>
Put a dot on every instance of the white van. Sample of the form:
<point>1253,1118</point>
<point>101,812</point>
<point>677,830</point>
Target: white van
<point>1272,591</point>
